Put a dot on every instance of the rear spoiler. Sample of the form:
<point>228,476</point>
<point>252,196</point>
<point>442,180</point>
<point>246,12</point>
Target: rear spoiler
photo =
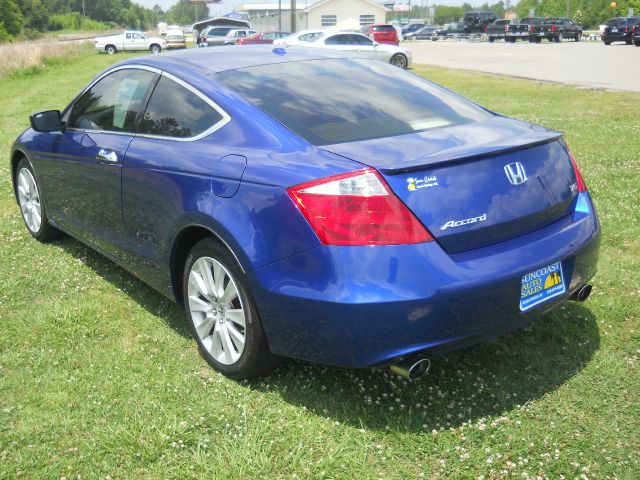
<point>463,153</point>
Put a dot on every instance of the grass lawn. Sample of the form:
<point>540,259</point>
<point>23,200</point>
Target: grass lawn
<point>100,379</point>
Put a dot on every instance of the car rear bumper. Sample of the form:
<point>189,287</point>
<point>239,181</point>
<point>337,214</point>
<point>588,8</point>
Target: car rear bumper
<point>616,37</point>
<point>366,306</point>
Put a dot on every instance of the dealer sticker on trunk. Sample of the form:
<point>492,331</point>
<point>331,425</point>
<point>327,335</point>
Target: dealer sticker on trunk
<point>541,285</point>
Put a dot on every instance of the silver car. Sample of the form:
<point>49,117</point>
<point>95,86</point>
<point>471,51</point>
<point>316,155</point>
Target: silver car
<point>355,42</point>
<point>223,36</point>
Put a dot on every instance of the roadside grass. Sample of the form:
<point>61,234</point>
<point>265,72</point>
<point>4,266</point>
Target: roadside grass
<point>36,54</point>
<point>99,378</point>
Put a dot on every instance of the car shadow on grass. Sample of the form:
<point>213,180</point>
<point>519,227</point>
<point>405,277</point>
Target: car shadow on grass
<point>479,384</point>
<point>152,301</point>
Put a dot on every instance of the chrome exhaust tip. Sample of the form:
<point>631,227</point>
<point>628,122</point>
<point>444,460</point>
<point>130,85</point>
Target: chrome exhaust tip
<point>583,293</point>
<point>411,369</point>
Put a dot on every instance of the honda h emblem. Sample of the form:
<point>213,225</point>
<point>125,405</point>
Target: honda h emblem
<point>515,173</point>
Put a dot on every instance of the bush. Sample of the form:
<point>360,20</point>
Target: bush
<point>75,21</point>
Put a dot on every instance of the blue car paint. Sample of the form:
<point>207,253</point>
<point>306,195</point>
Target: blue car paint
<point>349,306</point>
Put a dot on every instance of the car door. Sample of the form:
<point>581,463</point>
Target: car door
<point>139,42</point>
<point>166,163</point>
<point>83,172</point>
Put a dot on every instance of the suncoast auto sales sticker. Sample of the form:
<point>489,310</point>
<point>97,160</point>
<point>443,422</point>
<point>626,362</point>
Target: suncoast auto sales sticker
<point>541,285</point>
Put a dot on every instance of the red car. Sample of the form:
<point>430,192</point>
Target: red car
<point>382,34</point>
<point>262,38</point>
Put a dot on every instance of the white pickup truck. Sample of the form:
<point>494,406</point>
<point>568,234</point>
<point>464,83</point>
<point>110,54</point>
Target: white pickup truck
<point>129,40</point>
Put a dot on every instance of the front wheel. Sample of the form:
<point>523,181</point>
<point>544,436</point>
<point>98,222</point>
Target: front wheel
<point>637,44</point>
<point>110,49</point>
<point>579,37</point>
<point>31,205</point>
<point>559,38</point>
<point>155,48</point>
<point>222,315</point>
<point>607,43</point>
<point>399,60</point>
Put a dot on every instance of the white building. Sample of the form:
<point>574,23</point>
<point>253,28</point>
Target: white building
<point>338,14</point>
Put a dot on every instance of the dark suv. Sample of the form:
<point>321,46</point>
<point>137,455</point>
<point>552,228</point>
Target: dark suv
<point>619,30</point>
<point>476,22</point>
<point>635,36</point>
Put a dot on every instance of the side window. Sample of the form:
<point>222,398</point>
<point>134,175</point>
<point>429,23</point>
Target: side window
<point>113,103</point>
<point>137,36</point>
<point>336,40</point>
<point>128,36</point>
<point>241,33</point>
<point>174,111</point>
<point>360,40</point>
<point>268,36</point>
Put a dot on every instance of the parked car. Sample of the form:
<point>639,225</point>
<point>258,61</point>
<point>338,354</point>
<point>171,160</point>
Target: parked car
<point>264,38</point>
<point>175,38</point>
<point>383,34</point>
<point>453,30</point>
<point>635,35</point>
<point>303,37</point>
<point>129,40</point>
<point>312,205</point>
<point>476,22</point>
<point>216,36</point>
<point>556,30</point>
<point>498,31</point>
<point>619,30</point>
<point>524,28</point>
<point>356,42</point>
<point>411,28</point>
<point>425,33</point>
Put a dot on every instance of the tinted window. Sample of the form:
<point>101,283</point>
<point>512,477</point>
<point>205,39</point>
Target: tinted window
<point>360,40</point>
<point>113,103</point>
<point>338,40</point>
<point>268,36</point>
<point>174,111</point>
<point>343,100</point>
<point>616,22</point>
<point>384,28</point>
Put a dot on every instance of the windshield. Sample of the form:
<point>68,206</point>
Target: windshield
<point>346,100</point>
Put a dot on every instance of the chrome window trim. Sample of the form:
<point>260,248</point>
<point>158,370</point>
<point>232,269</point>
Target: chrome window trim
<point>226,118</point>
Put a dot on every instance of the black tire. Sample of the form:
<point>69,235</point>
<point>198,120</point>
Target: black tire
<point>46,231</point>
<point>637,44</point>
<point>255,359</point>
<point>607,43</point>
<point>492,39</point>
<point>111,49</point>
<point>558,38</point>
<point>628,42</point>
<point>155,48</point>
<point>399,60</point>
<point>579,37</point>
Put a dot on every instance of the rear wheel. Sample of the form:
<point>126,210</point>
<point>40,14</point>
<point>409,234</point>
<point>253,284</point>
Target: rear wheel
<point>222,315</point>
<point>579,37</point>
<point>637,44</point>
<point>628,42</point>
<point>491,39</point>
<point>110,49</point>
<point>155,48</point>
<point>399,60</point>
<point>559,38</point>
<point>607,43</point>
<point>31,204</point>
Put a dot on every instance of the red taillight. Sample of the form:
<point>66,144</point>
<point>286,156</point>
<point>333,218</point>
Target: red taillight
<point>506,28</point>
<point>626,29</point>
<point>553,28</point>
<point>530,28</point>
<point>357,208</point>
<point>486,28</point>
<point>582,186</point>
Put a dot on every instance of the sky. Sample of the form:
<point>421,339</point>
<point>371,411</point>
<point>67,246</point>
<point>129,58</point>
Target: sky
<point>227,5</point>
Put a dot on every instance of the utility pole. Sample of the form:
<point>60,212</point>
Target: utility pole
<point>293,16</point>
<point>279,15</point>
<point>568,8</point>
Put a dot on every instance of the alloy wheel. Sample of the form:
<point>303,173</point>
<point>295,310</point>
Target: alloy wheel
<point>217,311</point>
<point>29,199</point>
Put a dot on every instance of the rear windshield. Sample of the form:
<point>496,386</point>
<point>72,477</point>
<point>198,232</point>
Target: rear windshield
<point>346,100</point>
<point>531,21</point>
<point>617,22</point>
<point>384,28</point>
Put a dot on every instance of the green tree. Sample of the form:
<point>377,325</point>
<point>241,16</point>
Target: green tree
<point>184,13</point>
<point>11,19</point>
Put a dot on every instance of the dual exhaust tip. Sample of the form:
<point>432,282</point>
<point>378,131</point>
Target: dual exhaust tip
<point>413,369</point>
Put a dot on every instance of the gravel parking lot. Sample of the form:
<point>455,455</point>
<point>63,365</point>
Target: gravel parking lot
<point>588,64</point>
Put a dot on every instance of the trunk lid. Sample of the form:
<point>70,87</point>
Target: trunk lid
<point>458,180</point>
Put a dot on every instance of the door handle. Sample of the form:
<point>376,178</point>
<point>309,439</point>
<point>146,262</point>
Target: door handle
<point>106,156</point>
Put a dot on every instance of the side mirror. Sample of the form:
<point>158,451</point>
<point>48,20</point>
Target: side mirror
<point>49,121</point>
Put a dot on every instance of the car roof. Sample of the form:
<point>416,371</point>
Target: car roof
<point>211,60</point>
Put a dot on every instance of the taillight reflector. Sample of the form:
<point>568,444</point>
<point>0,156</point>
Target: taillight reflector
<point>357,208</point>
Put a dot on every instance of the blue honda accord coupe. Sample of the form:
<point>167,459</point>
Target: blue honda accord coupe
<point>311,204</point>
